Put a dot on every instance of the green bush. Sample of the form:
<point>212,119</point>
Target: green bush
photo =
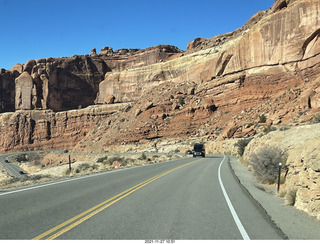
<point>100,160</point>
<point>265,164</point>
<point>22,158</point>
<point>241,144</point>
<point>262,118</point>
<point>181,101</point>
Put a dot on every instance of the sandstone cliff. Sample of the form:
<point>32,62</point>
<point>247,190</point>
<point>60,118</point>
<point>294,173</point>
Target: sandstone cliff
<point>44,129</point>
<point>69,83</point>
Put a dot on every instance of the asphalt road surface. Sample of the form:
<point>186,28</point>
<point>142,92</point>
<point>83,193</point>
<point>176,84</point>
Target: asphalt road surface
<point>12,169</point>
<point>185,199</point>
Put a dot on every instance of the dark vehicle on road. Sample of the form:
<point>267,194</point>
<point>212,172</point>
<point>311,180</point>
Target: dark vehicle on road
<point>188,152</point>
<point>199,150</point>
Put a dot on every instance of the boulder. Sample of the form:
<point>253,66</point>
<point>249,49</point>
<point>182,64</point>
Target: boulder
<point>230,130</point>
<point>109,99</point>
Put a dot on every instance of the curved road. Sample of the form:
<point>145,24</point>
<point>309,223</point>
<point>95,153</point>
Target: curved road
<point>11,168</point>
<point>185,199</point>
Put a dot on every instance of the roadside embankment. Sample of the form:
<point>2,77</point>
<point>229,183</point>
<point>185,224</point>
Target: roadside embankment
<point>302,147</point>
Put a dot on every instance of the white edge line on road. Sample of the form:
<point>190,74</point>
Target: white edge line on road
<point>243,232</point>
<point>78,178</point>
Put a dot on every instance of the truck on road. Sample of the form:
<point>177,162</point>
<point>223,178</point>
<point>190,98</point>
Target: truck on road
<point>199,150</point>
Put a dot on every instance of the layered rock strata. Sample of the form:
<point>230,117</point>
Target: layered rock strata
<point>283,40</point>
<point>44,129</point>
<point>70,83</point>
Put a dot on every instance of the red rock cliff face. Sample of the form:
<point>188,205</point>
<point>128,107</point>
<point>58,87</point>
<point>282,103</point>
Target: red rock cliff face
<point>44,129</point>
<point>286,37</point>
<point>69,83</point>
<point>269,66</point>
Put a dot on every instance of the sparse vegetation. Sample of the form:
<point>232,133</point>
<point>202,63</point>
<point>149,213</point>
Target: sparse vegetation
<point>265,164</point>
<point>316,119</point>
<point>244,162</point>
<point>284,128</point>
<point>143,156</point>
<point>262,118</point>
<point>181,101</point>
<point>22,158</point>
<point>241,144</point>
<point>102,159</point>
<point>268,129</point>
<point>85,167</point>
<point>28,178</point>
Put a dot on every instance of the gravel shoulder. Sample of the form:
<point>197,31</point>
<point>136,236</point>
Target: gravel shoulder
<point>295,224</point>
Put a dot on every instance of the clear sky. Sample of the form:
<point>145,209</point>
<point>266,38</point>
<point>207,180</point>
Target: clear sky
<point>32,29</point>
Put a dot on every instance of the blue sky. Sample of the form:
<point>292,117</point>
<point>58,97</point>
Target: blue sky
<point>32,29</point>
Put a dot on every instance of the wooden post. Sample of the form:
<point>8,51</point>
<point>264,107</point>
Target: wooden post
<point>279,177</point>
<point>69,162</point>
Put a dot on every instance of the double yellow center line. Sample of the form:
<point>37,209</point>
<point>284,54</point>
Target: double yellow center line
<point>78,219</point>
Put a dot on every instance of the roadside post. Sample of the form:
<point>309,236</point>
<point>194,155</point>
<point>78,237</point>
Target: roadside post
<point>69,162</point>
<point>280,164</point>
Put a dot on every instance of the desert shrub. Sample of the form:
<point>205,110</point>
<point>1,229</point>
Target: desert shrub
<point>316,119</point>
<point>244,162</point>
<point>127,161</point>
<point>262,118</point>
<point>22,158</point>
<point>181,101</point>
<point>284,128</point>
<point>113,159</point>
<point>101,160</point>
<point>241,144</point>
<point>27,178</point>
<point>268,129</point>
<point>82,167</point>
<point>265,164</point>
<point>143,156</point>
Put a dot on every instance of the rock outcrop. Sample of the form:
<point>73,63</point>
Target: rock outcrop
<point>301,144</point>
<point>69,83</point>
<point>45,129</point>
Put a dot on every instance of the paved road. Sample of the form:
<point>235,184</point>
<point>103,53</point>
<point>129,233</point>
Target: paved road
<point>191,198</point>
<point>12,169</point>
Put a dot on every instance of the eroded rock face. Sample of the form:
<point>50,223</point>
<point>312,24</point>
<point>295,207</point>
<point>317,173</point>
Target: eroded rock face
<point>277,42</point>
<point>7,90</point>
<point>69,83</point>
<point>45,129</point>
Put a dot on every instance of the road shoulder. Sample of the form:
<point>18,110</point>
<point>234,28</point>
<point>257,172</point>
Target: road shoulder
<point>295,224</point>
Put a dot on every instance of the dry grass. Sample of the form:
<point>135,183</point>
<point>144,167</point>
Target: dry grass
<point>290,196</point>
<point>42,171</point>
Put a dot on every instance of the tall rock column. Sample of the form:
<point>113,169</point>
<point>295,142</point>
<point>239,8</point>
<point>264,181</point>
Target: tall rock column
<point>24,92</point>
